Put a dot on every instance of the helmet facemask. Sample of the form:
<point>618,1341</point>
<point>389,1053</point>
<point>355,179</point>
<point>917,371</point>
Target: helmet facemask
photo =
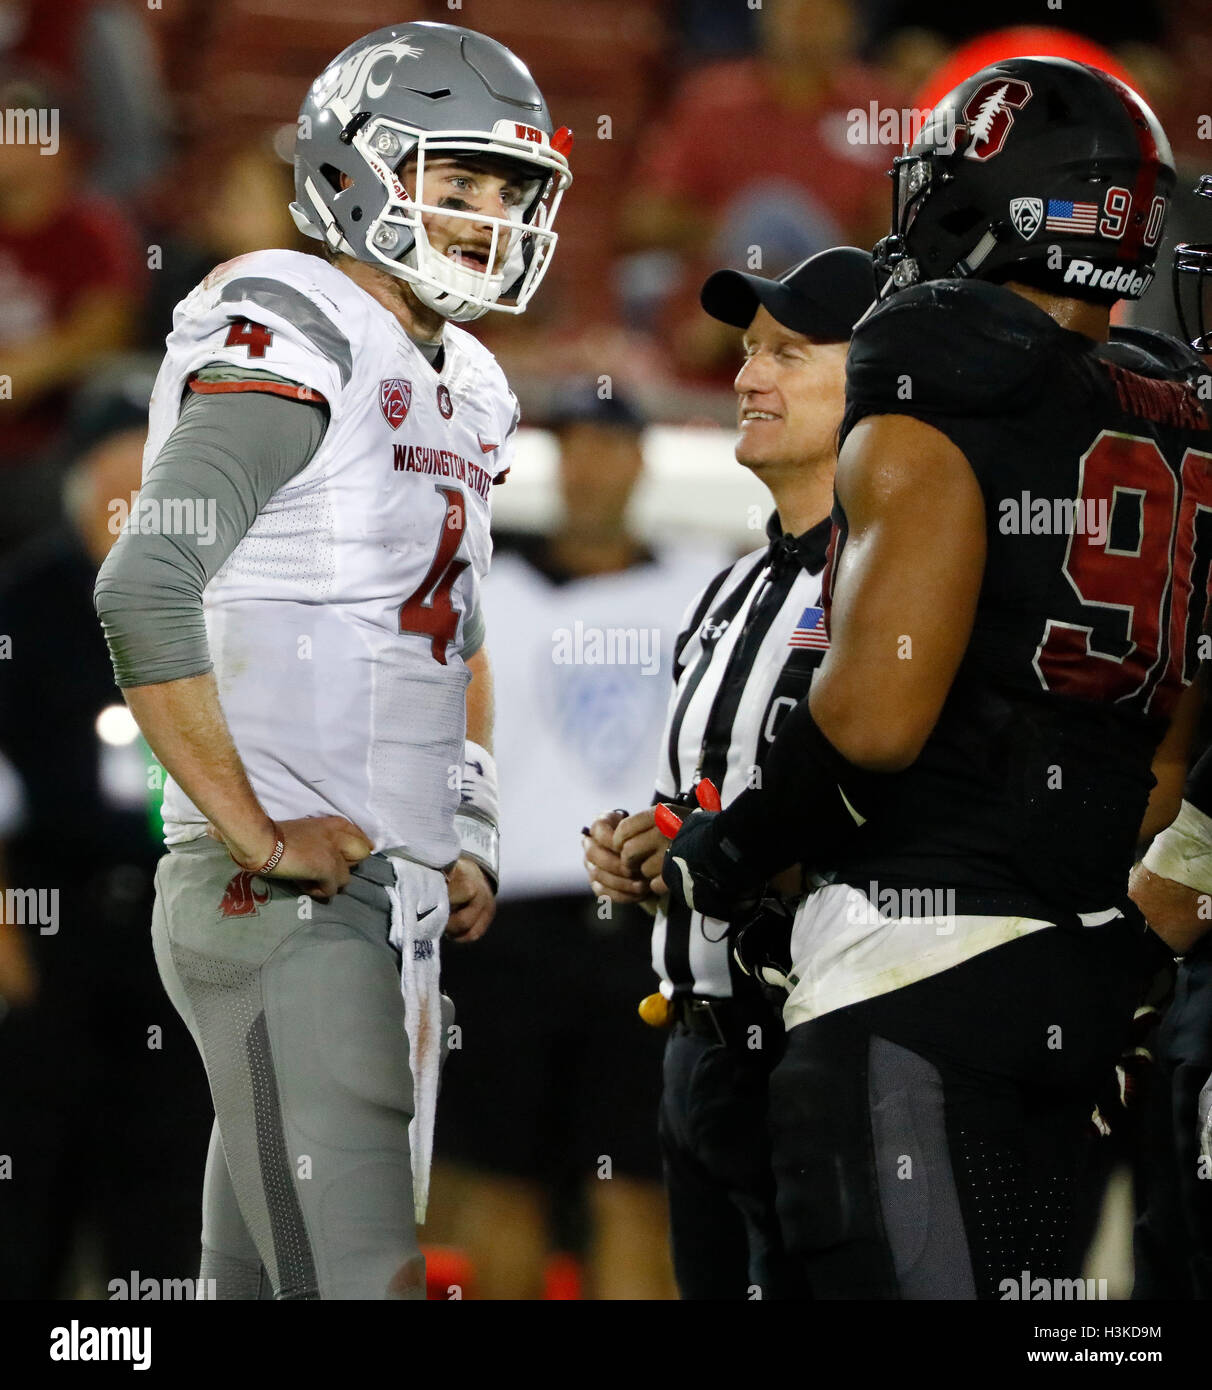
<point>1193,284</point>
<point>520,245</point>
<point>961,242</point>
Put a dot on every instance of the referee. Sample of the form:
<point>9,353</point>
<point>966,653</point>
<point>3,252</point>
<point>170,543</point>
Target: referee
<point>750,643</point>
<point>1171,886</point>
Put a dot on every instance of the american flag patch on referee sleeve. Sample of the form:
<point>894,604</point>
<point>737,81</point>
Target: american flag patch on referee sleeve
<point>810,631</point>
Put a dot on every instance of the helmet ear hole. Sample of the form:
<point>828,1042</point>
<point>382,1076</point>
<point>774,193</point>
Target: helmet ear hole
<point>332,175</point>
<point>961,221</point>
<point>355,215</point>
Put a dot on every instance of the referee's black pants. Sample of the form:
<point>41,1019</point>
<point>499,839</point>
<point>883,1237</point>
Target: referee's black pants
<point>715,1149</point>
<point>1173,1236</point>
<point>928,1142</point>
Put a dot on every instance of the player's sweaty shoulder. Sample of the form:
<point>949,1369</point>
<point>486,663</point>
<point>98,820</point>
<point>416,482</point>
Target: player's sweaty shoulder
<point>954,346</point>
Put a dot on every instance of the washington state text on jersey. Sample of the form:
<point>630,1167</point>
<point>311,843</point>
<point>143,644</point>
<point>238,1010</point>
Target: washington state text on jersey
<point>419,458</point>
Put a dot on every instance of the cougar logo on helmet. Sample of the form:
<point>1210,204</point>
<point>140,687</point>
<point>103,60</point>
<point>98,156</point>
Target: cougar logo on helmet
<point>355,81</point>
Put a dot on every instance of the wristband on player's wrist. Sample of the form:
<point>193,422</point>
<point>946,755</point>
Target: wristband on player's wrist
<point>275,856</point>
<point>476,820</point>
<point>1183,851</point>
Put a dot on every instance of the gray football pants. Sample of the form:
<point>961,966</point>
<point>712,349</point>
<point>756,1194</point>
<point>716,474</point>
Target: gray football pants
<point>295,1006</point>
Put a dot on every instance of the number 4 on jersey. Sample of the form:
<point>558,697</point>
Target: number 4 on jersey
<point>254,336</point>
<point>428,609</point>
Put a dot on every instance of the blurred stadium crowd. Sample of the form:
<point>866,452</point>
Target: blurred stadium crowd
<point>709,133</point>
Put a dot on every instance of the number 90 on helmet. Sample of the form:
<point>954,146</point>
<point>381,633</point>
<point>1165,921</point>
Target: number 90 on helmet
<point>411,93</point>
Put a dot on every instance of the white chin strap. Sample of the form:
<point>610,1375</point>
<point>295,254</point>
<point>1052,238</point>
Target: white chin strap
<point>447,287</point>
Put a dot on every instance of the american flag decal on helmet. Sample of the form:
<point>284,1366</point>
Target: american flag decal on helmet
<point>810,631</point>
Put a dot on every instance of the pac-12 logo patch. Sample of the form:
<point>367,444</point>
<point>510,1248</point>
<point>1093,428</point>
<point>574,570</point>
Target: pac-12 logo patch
<point>445,404</point>
<point>1026,214</point>
<point>395,396</point>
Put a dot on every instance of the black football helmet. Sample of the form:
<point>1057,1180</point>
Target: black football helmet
<point>1037,169</point>
<point>1192,282</point>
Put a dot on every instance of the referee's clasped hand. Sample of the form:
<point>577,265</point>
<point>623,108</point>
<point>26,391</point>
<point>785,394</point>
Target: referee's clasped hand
<point>623,856</point>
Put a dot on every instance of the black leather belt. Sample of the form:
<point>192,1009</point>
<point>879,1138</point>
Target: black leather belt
<point>728,1022</point>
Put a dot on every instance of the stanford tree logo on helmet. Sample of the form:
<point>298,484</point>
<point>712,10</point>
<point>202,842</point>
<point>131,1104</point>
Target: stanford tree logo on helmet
<point>407,95</point>
<point>1040,170</point>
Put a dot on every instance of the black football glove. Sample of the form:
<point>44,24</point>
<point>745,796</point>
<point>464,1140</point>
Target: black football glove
<point>705,871</point>
<point>761,947</point>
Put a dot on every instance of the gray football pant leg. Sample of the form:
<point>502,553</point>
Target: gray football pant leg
<point>229,1254</point>
<point>295,1007</point>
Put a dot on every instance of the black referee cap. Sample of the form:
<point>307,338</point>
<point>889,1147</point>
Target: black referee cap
<point>822,297</point>
<point>580,401</point>
<point>115,398</point>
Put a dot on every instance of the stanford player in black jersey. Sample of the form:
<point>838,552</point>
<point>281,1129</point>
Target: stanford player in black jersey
<point>1018,581</point>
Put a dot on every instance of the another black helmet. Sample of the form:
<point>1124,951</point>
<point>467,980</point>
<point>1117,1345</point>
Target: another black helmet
<point>1037,169</point>
<point>1192,281</point>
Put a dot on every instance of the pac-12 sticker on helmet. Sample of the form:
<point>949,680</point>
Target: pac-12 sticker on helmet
<point>1026,214</point>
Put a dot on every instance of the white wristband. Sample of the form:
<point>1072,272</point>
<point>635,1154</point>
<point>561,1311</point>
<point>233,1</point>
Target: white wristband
<point>1183,851</point>
<point>479,812</point>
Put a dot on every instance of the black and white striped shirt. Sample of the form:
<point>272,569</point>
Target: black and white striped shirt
<point>749,645</point>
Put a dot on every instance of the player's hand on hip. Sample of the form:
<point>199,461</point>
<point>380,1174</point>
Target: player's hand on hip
<point>317,851</point>
<point>473,904</point>
<point>609,876</point>
<point>641,846</point>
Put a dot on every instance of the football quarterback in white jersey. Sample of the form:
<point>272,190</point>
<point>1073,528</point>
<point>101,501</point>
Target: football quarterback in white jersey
<point>308,665</point>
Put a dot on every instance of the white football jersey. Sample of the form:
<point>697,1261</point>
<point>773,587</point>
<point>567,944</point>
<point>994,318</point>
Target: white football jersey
<point>336,624</point>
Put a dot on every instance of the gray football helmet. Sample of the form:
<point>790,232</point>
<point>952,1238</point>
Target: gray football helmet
<point>416,92</point>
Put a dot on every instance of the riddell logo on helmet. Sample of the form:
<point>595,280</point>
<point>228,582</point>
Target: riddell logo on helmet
<point>1126,281</point>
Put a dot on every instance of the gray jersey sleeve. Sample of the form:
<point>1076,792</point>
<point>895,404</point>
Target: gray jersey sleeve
<point>473,632</point>
<point>227,455</point>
